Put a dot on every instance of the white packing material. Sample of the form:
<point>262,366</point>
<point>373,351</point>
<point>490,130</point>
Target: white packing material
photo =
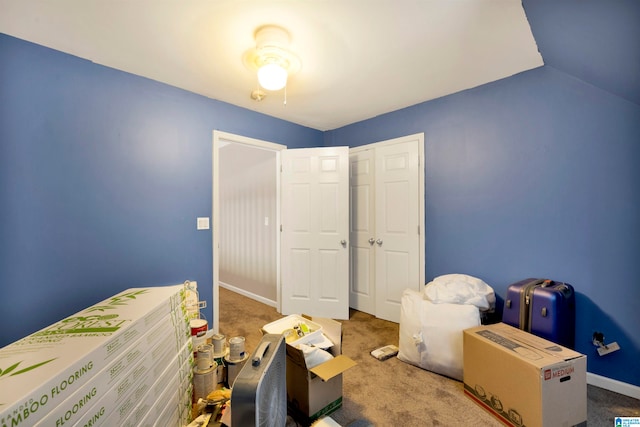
<point>314,356</point>
<point>431,334</point>
<point>460,289</point>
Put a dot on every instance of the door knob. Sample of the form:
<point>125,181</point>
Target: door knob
<point>343,242</point>
<point>372,241</point>
<point>379,242</point>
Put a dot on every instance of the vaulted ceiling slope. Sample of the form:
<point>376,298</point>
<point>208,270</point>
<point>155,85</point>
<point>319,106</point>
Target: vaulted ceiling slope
<point>359,58</point>
<point>597,41</point>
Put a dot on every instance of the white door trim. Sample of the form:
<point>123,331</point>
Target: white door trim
<point>220,138</point>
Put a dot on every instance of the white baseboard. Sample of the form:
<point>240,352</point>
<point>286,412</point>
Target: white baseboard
<point>613,385</point>
<point>249,294</point>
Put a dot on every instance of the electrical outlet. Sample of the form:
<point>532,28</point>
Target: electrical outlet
<point>609,348</point>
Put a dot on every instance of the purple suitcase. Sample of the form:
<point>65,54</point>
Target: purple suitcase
<point>543,307</point>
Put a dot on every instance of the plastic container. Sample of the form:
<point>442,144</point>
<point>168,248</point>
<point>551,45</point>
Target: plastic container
<point>296,322</point>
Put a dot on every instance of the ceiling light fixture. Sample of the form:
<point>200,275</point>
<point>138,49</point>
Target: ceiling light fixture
<point>258,95</point>
<point>272,76</point>
<point>271,57</point>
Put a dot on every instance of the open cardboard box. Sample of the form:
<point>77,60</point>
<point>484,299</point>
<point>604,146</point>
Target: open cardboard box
<point>523,379</point>
<point>313,393</point>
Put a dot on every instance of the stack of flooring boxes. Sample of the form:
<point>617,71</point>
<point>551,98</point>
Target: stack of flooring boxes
<point>125,361</point>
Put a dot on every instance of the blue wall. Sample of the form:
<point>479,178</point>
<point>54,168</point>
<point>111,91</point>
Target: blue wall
<point>534,176</point>
<point>102,177</point>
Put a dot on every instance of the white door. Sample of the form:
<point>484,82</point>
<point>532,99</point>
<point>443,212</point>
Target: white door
<point>397,226</point>
<point>387,219</point>
<point>362,230</point>
<point>315,227</point>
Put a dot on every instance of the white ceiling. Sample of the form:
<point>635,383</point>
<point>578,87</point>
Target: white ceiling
<point>360,58</point>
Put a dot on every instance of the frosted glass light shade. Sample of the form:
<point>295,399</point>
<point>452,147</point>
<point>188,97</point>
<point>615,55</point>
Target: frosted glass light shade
<point>272,77</point>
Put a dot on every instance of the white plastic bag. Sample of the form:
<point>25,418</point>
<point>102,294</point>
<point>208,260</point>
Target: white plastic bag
<point>314,356</point>
<point>460,289</point>
<point>431,334</point>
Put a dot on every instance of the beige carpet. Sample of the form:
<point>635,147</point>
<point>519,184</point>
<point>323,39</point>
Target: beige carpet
<point>391,392</point>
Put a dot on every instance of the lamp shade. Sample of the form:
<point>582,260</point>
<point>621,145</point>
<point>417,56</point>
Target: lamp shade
<point>272,76</point>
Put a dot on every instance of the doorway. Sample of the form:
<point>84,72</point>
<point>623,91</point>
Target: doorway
<point>413,280</point>
<point>246,214</point>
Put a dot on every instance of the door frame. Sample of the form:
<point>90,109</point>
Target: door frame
<point>421,188</point>
<point>219,138</point>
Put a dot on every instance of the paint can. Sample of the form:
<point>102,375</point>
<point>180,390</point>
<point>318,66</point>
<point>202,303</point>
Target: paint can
<point>233,368</point>
<point>204,382</point>
<point>236,349</point>
<point>198,327</point>
<point>221,370</point>
<point>204,357</point>
<point>220,350</point>
<point>219,344</point>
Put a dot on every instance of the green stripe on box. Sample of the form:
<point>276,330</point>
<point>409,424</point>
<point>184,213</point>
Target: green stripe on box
<point>329,409</point>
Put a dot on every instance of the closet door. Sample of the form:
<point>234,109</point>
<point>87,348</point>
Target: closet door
<point>397,226</point>
<point>362,231</point>
<point>386,217</point>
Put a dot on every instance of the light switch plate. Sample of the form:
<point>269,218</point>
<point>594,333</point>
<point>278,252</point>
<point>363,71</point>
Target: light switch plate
<point>203,223</point>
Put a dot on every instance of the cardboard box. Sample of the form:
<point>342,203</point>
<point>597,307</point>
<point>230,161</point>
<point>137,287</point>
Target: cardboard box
<point>312,393</point>
<point>522,379</point>
<point>161,402</point>
<point>43,369</point>
<point>112,384</point>
<point>172,407</point>
<point>114,412</point>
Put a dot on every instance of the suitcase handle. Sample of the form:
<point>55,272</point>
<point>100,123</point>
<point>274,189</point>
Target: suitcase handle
<point>564,289</point>
<point>560,287</point>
